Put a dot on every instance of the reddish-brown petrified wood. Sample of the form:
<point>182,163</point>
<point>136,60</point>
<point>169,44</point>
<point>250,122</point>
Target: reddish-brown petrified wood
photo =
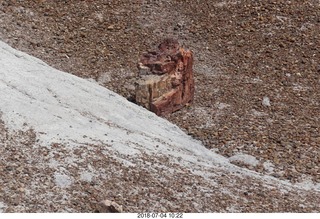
<point>166,81</point>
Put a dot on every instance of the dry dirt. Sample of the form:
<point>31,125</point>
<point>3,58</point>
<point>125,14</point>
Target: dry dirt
<point>90,175</point>
<point>257,66</point>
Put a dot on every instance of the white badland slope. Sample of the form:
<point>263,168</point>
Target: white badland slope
<point>85,137</point>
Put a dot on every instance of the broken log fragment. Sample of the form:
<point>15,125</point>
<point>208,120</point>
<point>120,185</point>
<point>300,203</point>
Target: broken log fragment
<point>166,82</point>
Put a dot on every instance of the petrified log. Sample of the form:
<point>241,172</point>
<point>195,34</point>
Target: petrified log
<point>166,81</point>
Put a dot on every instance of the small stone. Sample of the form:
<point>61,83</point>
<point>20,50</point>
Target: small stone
<point>110,27</point>
<point>268,166</point>
<point>108,206</point>
<point>245,159</point>
<point>266,101</point>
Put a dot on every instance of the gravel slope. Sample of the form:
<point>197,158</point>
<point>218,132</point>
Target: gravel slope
<point>68,143</point>
<point>257,67</point>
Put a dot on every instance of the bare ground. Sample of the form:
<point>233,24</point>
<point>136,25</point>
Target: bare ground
<point>88,175</point>
<point>245,51</point>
